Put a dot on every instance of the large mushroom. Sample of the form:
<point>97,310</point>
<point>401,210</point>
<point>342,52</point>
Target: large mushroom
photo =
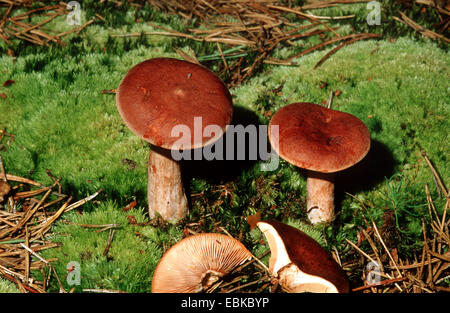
<point>322,141</point>
<point>158,100</point>
<point>300,263</point>
<point>196,262</point>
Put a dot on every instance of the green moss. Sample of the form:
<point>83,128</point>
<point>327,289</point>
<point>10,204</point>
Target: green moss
<point>259,244</point>
<point>399,91</point>
<point>63,122</point>
<point>131,259</point>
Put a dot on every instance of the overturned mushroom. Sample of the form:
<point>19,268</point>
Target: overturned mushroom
<point>197,262</point>
<point>322,141</point>
<point>160,98</point>
<point>300,263</point>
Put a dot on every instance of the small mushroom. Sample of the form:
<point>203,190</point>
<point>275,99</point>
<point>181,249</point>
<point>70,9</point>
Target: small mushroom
<point>154,98</point>
<point>196,262</point>
<point>322,141</point>
<point>300,263</point>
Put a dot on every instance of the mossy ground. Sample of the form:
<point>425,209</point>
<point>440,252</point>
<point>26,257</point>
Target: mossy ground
<point>63,122</point>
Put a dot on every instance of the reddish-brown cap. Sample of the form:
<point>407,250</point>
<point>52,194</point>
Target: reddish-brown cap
<point>161,93</point>
<point>313,137</point>
<point>314,271</point>
<point>196,262</point>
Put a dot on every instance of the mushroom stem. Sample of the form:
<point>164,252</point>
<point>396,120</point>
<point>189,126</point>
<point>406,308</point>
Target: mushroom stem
<point>166,196</point>
<point>320,197</point>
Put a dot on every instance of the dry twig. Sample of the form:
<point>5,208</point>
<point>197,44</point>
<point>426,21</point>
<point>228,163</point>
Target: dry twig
<point>433,267</point>
<point>22,232</point>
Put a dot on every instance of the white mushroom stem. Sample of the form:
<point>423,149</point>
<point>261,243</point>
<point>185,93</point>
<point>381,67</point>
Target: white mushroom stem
<point>166,196</point>
<point>320,197</point>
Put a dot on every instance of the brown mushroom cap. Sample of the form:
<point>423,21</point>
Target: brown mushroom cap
<point>160,93</point>
<point>319,139</point>
<point>196,262</point>
<point>316,270</point>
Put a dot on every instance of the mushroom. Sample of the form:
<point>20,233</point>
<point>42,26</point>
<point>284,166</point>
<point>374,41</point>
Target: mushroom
<point>159,95</point>
<point>196,262</point>
<point>299,263</point>
<point>322,141</point>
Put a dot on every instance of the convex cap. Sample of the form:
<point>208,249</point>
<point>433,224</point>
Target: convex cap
<point>161,93</point>
<point>319,139</point>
